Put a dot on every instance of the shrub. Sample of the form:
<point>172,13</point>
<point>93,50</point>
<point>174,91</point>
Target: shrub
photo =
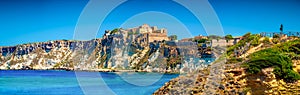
<point>114,31</point>
<point>276,36</point>
<point>266,40</point>
<point>228,37</point>
<point>276,57</point>
<point>254,40</point>
<point>247,35</point>
<point>234,60</point>
<point>201,41</point>
<point>275,40</point>
<point>247,38</point>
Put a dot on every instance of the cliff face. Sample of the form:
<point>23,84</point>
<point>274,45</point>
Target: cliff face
<point>45,55</point>
<point>116,50</point>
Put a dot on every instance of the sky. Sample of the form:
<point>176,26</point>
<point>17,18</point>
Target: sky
<point>28,21</point>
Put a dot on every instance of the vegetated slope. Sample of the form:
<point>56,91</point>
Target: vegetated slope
<point>279,57</point>
<point>270,66</point>
<point>248,41</point>
<point>267,69</point>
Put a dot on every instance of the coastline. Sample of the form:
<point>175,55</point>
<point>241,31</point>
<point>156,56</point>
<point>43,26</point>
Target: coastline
<point>94,70</point>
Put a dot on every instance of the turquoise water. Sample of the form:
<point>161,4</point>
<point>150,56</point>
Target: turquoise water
<point>33,82</point>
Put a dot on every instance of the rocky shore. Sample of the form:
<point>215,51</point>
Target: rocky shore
<point>234,81</point>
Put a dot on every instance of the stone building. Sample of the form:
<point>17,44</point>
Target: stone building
<point>234,41</point>
<point>223,42</point>
<point>200,37</point>
<point>152,33</point>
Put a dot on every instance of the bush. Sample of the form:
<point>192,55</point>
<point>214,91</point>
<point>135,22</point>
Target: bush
<point>276,57</point>
<point>291,47</point>
<point>114,31</point>
<point>275,40</point>
<point>201,41</point>
<point>254,39</point>
<point>228,37</point>
<point>266,40</point>
<point>247,35</point>
<point>276,36</point>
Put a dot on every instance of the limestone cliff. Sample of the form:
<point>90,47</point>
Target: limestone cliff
<point>116,50</point>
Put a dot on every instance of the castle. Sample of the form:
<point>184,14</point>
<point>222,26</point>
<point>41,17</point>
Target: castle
<point>152,33</point>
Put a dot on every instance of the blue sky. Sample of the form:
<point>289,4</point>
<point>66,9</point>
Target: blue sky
<point>24,21</point>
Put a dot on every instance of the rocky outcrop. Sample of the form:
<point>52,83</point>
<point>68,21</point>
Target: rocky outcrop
<point>116,50</point>
<point>235,81</point>
<point>236,78</point>
<point>204,81</point>
<point>44,55</point>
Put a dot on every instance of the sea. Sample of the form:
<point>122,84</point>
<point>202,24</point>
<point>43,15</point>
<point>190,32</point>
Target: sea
<point>59,82</point>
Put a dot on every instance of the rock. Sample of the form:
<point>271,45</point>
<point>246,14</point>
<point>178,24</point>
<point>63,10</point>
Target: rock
<point>222,87</point>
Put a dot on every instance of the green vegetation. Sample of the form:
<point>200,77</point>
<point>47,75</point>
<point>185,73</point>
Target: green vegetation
<point>253,39</point>
<point>173,37</point>
<point>114,31</point>
<point>247,89</point>
<point>266,40</point>
<point>276,36</point>
<point>279,57</point>
<point>133,33</point>
<point>57,65</point>
<point>275,40</point>
<point>234,60</point>
<point>173,61</point>
<point>200,41</point>
<point>210,37</point>
<point>228,37</point>
<point>291,49</point>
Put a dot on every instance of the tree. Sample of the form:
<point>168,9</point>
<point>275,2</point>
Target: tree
<point>228,37</point>
<point>281,28</point>
<point>210,37</point>
<point>201,41</point>
<point>173,37</point>
<point>247,35</point>
<point>276,36</point>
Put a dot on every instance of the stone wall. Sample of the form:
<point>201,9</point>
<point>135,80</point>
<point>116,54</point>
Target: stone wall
<point>223,42</point>
<point>158,37</point>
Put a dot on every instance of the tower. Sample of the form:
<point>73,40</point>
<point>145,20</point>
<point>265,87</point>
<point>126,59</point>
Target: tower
<point>281,29</point>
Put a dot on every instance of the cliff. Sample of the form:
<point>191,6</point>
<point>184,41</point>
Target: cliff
<point>116,50</point>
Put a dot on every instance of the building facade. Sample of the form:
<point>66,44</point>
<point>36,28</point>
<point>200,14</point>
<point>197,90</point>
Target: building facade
<point>152,33</point>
